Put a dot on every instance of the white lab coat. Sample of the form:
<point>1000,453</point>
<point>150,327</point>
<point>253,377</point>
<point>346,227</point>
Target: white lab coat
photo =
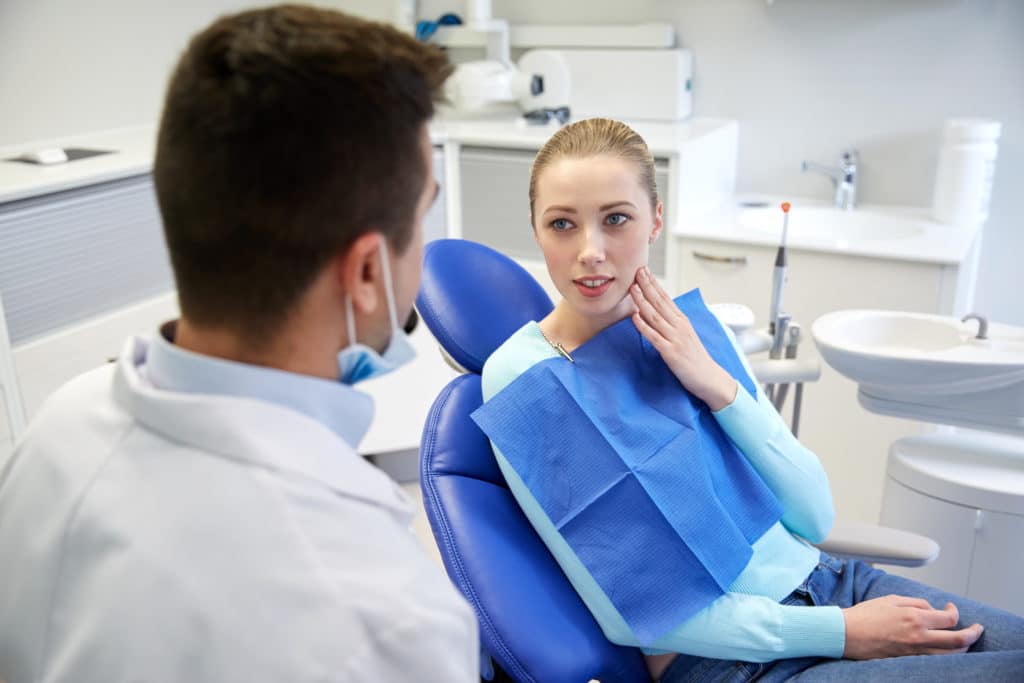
<point>155,536</point>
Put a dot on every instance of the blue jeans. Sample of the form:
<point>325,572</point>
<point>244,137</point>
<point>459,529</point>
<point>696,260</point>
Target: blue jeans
<point>997,656</point>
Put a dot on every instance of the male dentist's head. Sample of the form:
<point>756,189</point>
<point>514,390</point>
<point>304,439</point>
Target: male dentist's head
<point>293,171</point>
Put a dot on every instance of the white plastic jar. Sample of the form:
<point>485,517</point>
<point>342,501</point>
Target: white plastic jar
<point>963,179</point>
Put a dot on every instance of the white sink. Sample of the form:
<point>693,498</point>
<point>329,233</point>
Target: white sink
<point>828,224</point>
<point>928,366</point>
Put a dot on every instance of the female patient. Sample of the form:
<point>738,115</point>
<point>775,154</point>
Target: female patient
<point>792,610</point>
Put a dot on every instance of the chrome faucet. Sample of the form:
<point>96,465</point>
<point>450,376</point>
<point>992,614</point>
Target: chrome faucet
<point>844,178</point>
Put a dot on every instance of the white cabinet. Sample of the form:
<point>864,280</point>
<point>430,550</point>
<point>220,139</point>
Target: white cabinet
<point>80,269</point>
<point>996,561</point>
<point>851,442</point>
<point>948,524</point>
<point>981,553</point>
<point>68,259</point>
<point>46,363</point>
<point>965,489</point>
<point>435,223</point>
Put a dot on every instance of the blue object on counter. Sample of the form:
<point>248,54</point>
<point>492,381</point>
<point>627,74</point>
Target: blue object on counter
<point>635,472</point>
<point>426,29</point>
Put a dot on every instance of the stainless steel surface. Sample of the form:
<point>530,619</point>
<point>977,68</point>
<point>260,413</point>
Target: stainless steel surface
<point>843,177</point>
<point>734,260</point>
<point>982,324</point>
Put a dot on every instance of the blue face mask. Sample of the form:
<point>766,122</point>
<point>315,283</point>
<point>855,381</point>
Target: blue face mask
<point>358,362</point>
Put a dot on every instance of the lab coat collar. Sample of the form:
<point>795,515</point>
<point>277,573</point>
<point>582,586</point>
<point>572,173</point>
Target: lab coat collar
<point>254,431</point>
<point>342,409</point>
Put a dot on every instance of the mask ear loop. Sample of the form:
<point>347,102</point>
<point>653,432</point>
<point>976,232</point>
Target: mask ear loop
<point>350,320</point>
<point>388,289</point>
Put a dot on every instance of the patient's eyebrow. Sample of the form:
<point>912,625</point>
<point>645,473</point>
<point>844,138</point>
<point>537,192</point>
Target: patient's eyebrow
<point>565,209</point>
<point>605,207</point>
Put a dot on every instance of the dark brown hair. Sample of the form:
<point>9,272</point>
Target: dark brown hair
<point>287,133</point>
<point>594,137</point>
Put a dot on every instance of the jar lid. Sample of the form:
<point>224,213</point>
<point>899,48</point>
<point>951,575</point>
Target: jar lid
<point>972,130</point>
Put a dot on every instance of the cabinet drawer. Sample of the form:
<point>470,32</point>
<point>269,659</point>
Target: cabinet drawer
<point>817,283</point>
<point>70,255</point>
<point>496,203</point>
<point>728,273</point>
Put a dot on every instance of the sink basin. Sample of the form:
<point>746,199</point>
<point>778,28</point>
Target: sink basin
<point>916,352</point>
<point>928,366</point>
<point>818,223</point>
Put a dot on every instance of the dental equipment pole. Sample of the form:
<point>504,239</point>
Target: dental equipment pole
<point>775,326</point>
<point>779,280</point>
<point>793,336</point>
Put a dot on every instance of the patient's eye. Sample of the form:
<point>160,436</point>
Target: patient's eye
<point>561,224</point>
<point>616,219</point>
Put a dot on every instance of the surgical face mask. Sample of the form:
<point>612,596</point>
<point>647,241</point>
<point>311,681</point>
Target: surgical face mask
<point>358,362</point>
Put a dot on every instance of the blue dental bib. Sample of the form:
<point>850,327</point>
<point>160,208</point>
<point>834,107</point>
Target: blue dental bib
<point>634,472</point>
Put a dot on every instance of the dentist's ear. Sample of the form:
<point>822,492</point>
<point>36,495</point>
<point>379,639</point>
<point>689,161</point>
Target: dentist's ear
<point>361,272</point>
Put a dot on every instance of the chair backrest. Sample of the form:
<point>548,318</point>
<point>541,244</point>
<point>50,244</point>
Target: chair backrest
<point>532,622</point>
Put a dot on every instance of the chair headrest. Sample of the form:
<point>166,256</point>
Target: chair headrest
<point>473,298</point>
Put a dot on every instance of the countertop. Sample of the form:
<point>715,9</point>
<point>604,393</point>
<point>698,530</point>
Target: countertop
<point>932,243</point>
<point>132,155</point>
<point>134,148</point>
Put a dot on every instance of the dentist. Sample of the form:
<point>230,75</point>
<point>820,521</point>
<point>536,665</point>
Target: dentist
<point>198,511</point>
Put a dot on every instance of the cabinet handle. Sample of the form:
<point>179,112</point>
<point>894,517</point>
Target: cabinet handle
<point>734,260</point>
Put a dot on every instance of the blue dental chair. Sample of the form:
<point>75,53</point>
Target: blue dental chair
<point>532,623</point>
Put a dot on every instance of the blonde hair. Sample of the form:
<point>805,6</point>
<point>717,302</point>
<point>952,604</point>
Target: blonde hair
<point>594,137</point>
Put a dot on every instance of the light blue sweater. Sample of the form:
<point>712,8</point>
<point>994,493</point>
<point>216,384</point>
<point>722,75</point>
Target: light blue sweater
<point>747,623</point>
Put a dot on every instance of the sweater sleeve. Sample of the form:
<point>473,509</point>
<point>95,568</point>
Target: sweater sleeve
<point>790,470</point>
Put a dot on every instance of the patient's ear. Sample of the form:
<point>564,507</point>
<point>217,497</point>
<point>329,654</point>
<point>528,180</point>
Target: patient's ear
<point>659,222</point>
<point>360,272</point>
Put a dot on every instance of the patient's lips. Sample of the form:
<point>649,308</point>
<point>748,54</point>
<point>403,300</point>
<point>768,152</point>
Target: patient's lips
<point>593,285</point>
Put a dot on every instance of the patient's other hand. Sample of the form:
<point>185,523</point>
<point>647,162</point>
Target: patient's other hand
<point>895,626</point>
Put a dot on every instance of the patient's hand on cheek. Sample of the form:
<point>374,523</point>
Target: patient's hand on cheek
<point>669,331</point>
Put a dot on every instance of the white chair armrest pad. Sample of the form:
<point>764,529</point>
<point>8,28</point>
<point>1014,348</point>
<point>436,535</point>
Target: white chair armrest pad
<point>879,544</point>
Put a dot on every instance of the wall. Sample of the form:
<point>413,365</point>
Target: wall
<point>807,78</point>
<point>65,70</point>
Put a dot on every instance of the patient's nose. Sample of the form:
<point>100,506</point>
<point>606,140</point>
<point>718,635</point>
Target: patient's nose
<point>592,249</point>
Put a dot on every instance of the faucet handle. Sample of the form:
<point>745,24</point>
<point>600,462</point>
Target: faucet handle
<point>850,156</point>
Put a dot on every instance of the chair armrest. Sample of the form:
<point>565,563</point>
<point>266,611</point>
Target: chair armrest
<point>785,370</point>
<point>879,544</point>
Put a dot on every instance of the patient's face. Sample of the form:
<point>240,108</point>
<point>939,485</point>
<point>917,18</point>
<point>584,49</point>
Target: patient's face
<point>594,223</point>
